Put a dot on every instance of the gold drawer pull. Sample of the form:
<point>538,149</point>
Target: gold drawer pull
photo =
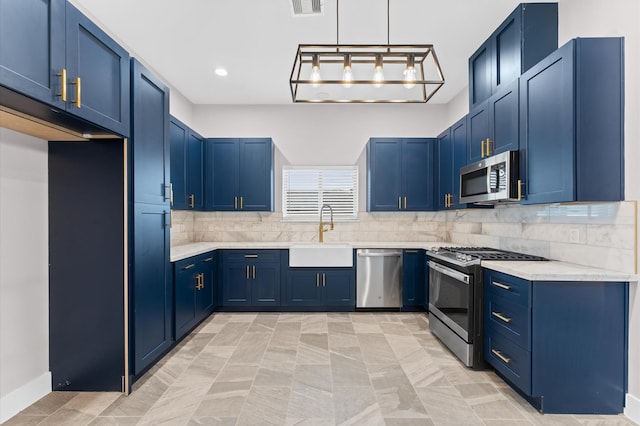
<point>78,101</point>
<point>503,286</point>
<point>63,84</point>
<point>502,357</point>
<point>189,266</point>
<point>501,317</point>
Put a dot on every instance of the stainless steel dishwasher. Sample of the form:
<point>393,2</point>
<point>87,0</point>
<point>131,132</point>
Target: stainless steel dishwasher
<point>379,278</point>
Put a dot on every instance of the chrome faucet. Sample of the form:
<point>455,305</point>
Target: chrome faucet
<point>321,227</point>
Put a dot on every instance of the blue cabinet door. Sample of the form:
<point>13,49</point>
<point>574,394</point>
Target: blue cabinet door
<point>194,166</point>
<point>236,290</point>
<point>150,139</point>
<point>222,185</point>
<point>477,132</point>
<point>152,295</point>
<point>205,297</point>
<point>265,283</point>
<point>480,75</point>
<point>384,174</point>
<point>459,147</point>
<point>98,74</point>
<point>445,170</point>
<point>547,117</point>
<point>303,287</point>
<point>178,155</point>
<point>255,174</point>
<point>413,278</point>
<point>418,170</point>
<point>186,278</point>
<point>32,52</point>
<point>570,102</point>
<point>503,119</point>
<point>339,287</point>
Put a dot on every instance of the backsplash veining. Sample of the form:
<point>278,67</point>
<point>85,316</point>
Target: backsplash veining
<point>600,235</point>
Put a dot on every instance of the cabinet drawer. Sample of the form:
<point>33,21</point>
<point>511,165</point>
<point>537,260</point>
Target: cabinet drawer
<point>513,362</point>
<point>251,256</point>
<point>512,288</point>
<point>511,320</point>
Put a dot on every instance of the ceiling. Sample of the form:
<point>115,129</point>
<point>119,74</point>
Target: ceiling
<point>256,40</point>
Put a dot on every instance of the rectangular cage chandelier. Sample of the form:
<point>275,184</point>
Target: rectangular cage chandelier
<point>363,73</point>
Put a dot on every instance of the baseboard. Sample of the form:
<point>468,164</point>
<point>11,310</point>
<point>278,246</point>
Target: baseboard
<point>632,408</point>
<point>16,401</point>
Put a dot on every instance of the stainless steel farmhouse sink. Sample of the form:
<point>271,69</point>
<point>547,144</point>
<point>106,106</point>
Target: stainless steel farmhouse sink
<point>321,255</point>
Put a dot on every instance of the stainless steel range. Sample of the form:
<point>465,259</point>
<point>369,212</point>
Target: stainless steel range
<point>456,297</point>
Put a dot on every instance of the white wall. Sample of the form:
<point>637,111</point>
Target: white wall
<point>24,272</point>
<point>599,18</point>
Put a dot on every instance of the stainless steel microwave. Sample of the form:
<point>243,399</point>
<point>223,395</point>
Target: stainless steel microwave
<point>492,180</point>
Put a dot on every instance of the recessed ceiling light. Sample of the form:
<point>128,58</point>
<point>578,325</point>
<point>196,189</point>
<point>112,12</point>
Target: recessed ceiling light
<point>221,72</point>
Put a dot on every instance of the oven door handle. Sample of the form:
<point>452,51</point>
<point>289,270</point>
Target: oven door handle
<point>459,276</point>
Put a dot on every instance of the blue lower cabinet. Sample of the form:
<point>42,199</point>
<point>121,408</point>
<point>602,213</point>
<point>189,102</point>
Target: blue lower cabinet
<point>329,288</point>
<point>414,291</point>
<point>250,278</point>
<point>194,282</point>
<point>562,344</point>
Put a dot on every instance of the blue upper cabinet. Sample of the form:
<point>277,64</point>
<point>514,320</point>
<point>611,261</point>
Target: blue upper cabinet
<point>51,52</point>
<point>400,174</point>
<point>32,48</point>
<point>571,132</point>
<point>493,125</point>
<point>186,167</point>
<point>528,35</point>
<point>98,74</point>
<point>239,174</point>
<point>451,156</point>
<point>150,130</point>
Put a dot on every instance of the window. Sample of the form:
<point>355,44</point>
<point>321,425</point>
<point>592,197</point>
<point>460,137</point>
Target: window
<point>306,189</point>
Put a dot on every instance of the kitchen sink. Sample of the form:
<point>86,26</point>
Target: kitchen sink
<point>321,255</point>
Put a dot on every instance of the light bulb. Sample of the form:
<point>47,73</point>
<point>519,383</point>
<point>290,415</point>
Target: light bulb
<point>409,78</point>
<point>378,75</point>
<point>315,72</point>
<point>410,73</point>
<point>347,77</point>
<point>347,74</point>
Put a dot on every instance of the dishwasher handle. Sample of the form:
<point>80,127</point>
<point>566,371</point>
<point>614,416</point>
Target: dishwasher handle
<point>381,254</point>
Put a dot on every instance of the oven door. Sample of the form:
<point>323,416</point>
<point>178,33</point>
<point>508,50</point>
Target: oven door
<point>451,298</point>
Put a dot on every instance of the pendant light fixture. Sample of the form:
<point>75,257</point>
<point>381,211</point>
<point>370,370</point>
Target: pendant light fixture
<point>396,73</point>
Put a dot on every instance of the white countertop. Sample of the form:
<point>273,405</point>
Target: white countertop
<point>556,271</point>
<point>193,249</point>
<point>533,271</point>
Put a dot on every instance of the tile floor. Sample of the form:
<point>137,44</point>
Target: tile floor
<point>311,369</point>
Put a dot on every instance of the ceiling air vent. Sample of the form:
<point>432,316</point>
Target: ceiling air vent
<point>306,7</point>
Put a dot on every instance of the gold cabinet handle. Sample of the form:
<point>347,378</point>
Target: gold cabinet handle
<point>200,278</point>
<point>170,218</point>
<point>324,280</point>
<point>488,147</point>
<point>250,256</point>
<point>170,194</point>
<point>247,272</point>
<point>501,317</point>
<point>502,286</point>
<point>519,190</point>
<point>502,357</point>
<point>317,280</point>
<point>482,149</point>
<point>189,266</point>
<point>78,101</point>
<point>254,272</point>
<point>63,84</point>
<point>399,203</point>
<point>241,203</point>
<point>208,259</point>
<point>192,200</point>
<point>235,203</point>
<point>405,202</point>
<point>198,282</point>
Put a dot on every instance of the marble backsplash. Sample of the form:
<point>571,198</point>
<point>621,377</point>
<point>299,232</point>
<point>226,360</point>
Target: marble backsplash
<point>600,235</point>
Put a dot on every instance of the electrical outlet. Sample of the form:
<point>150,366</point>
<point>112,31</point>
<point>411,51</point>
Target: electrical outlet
<point>574,235</point>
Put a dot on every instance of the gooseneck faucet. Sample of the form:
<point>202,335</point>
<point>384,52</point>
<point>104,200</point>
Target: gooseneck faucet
<point>321,228</point>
